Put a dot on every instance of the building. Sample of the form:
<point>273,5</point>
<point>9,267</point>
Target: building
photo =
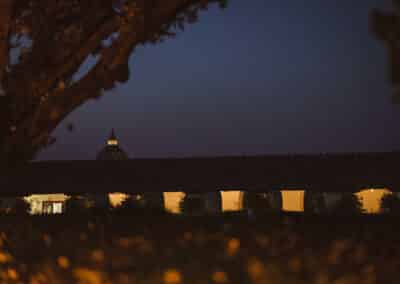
<point>112,151</point>
<point>312,183</point>
<point>47,203</point>
<point>55,203</point>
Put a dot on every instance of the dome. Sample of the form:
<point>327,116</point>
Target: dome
<point>112,151</point>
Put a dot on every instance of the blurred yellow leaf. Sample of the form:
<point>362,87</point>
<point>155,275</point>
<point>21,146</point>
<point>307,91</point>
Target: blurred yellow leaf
<point>172,276</point>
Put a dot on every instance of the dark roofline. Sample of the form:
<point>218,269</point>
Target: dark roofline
<point>331,172</point>
<point>281,156</point>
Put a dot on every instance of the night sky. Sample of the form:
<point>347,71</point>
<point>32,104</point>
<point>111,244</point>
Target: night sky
<point>261,77</point>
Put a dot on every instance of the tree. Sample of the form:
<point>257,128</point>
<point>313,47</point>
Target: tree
<point>314,202</point>
<point>21,207</point>
<point>192,205</point>
<point>261,203</point>
<point>386,27</point>
<point>390,204</point>
<point>146,203</point>
<point>348,204</point>
<point>131,203</point>
<point>76,205</point>
<point>44,43</point>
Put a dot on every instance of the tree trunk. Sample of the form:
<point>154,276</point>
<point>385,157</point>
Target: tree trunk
<point>5,17</point>
<point>41,98</point>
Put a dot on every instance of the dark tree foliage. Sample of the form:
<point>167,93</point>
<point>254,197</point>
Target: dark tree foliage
<point>386,27</point>
<point>21,207</point>
<point>192,205</point>
<point>98,201</point>
<point>390,204</point>
<point>91,204</point>
<point>131,203</point>
<point>314,203</point>
<point>43,44</point>
<point>138,204</point>
<point>260,203</point>
<point>348,204</point>
<point>76,205</point>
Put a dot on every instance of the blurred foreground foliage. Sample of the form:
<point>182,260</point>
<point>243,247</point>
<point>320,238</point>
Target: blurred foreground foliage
<point>222,249</point>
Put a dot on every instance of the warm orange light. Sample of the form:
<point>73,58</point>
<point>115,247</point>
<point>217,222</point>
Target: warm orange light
<point>232,246</point>
<point>112,142</point>
<point>293,200</point>
<point>371,199</point>
<point>231,200</point>
<point>172,276</point>
<point>117,198</point>
<point>220,277</point>
<point>172,201</point>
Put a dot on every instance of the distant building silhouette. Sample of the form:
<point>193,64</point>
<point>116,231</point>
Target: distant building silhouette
<point>317,183</point>
<point>55,203</point>
<point>112,151</point>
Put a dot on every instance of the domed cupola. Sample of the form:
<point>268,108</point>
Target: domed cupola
<point>112,151</point>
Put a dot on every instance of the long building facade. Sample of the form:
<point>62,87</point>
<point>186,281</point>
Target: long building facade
<point>312,184</point>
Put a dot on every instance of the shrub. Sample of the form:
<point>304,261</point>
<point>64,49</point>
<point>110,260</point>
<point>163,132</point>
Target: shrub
<point>390,204</point>
<point>348,204</point>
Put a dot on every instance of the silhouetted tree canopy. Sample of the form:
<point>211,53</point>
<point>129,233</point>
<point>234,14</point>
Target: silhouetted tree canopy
<point>314,203</point>
<point>14,206</point>
<point>260,203</point>
<point>390,204</point>
<point>43,44</point>
<point>76,205</point>
<point>140,204</point>
<point>192,205</point>
<point>22,207</point>
<point>386,27</point>
<point>132,202</point>
<point>348,204</point>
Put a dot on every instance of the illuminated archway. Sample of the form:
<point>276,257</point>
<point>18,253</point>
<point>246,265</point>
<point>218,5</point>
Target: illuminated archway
<point>293,200</point>
<point>371,199</point>
<point>232,200</point>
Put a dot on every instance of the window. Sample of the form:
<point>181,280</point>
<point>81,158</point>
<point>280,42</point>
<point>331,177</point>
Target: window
<point>50,207</point>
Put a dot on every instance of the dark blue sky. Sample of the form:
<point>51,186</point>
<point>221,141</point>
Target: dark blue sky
<point>261,77</point>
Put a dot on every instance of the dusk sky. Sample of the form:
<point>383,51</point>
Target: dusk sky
<point>261,77</point>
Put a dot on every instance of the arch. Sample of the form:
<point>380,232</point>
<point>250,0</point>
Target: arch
<point>371,198</point>
<point>172,201</point>
<point>293,200</point>
<point>231,200</point>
